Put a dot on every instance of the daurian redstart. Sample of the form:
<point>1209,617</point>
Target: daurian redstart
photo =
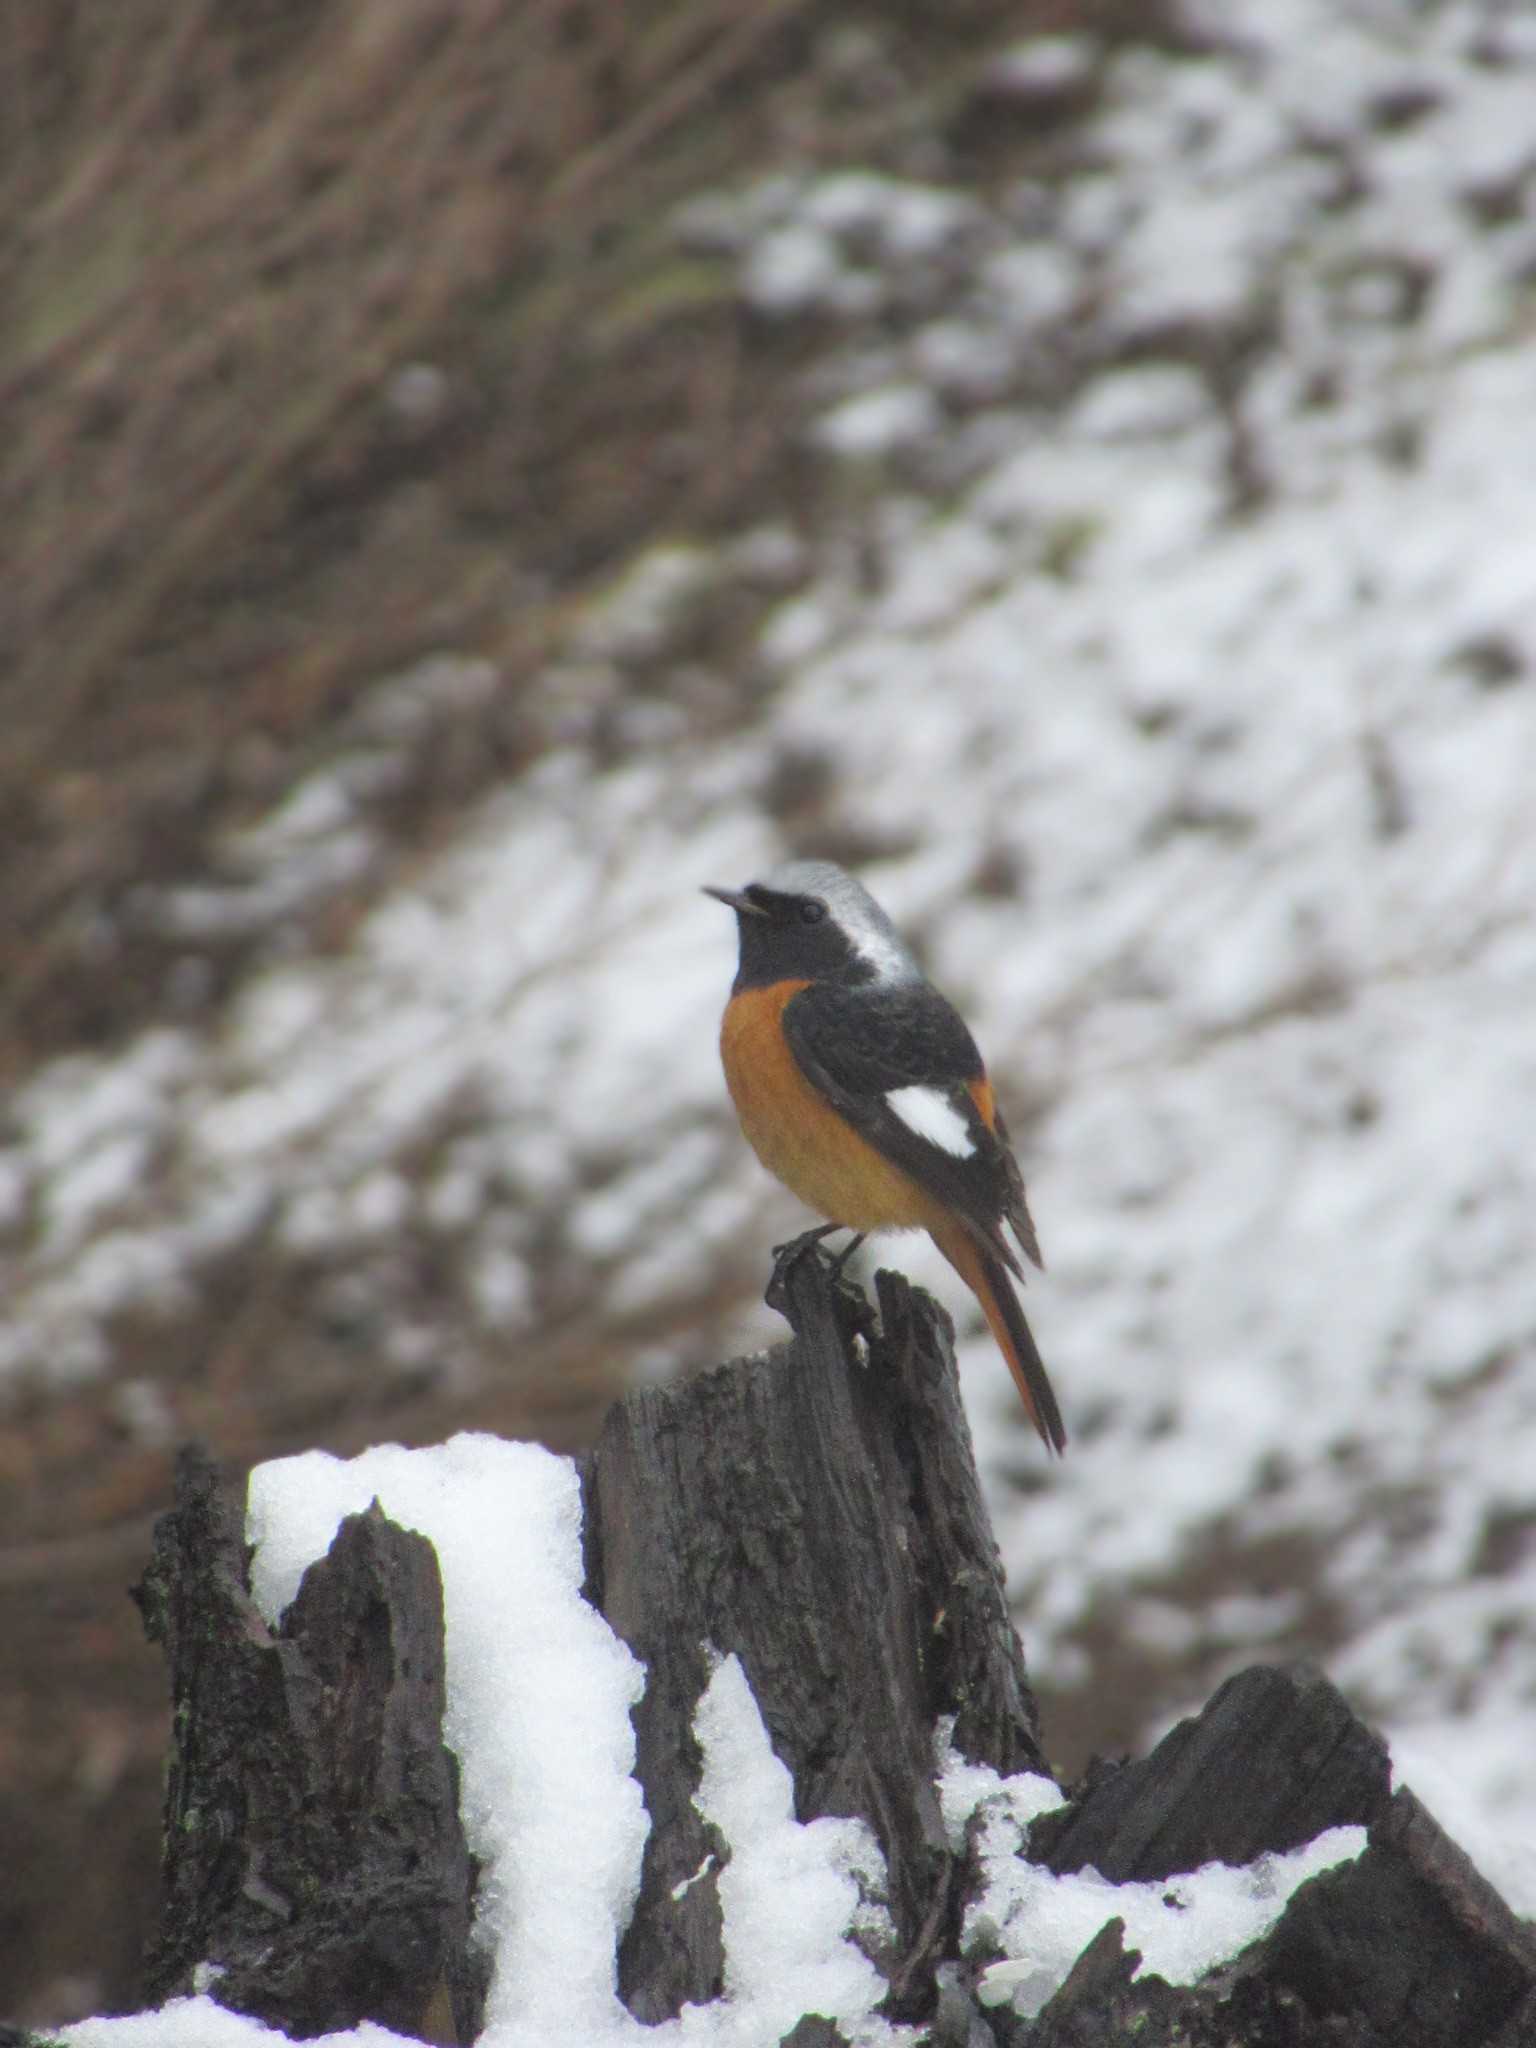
<point>859,1085</point>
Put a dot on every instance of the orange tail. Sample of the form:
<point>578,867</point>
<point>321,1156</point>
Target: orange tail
<point>987,1278</point>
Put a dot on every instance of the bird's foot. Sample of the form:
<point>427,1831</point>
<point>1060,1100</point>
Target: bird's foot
<point>783,1253</point>
<point>809,1244</point>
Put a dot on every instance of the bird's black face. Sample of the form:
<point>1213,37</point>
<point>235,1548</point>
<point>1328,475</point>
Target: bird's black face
<point>788,938</point>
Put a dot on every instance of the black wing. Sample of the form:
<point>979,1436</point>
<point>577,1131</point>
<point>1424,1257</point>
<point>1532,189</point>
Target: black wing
<point>861,1046</point>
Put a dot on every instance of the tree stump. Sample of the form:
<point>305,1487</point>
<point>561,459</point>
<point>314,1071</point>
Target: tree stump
<point>314,1865</point>
<point>823,1520</point>
<point>815,1511</point>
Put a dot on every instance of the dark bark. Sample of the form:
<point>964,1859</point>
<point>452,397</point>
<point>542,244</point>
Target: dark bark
<point>313,1852</point>
<point>1275,1757</point>
<point>816,1512</point>
<point>1408,1946</point>
<point>814,2032</point>
<point>1104,2004</point>
<point>820,1517</point>
<point>1405,1947</point>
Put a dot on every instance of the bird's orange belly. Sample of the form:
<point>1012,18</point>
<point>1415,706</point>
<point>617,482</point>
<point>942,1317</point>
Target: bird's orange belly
<point>808,1145</point>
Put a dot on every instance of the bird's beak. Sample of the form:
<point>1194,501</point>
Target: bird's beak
<point>737,900</point>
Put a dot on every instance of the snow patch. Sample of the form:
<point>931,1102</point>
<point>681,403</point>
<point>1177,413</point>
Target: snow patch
<point>1183,1926</point>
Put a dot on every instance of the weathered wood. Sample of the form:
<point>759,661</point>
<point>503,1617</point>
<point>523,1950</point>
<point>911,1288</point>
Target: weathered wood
<point>1104,2004</point>
<point>814,2032</point>
<point>1408,1946</point>
<point>815,1511</point>
<point>1405,1947</point>
<point>313,1851</point>
<point>1274,1758</point>
<point>819,1515</point>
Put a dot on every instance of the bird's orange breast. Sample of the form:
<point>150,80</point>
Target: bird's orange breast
<point>798,1135</point>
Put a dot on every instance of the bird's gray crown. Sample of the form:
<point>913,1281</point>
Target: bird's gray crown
<point>870,932</point>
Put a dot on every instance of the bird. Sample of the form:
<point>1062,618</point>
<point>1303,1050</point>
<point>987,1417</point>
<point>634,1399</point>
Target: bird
<point>859,1085</point>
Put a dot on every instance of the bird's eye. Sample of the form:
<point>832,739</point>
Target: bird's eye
<point>812,912</point>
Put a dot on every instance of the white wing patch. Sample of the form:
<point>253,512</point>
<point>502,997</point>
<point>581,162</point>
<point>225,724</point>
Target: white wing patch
<point>932,1116</point>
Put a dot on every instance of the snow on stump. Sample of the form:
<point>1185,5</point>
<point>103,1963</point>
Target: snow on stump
<point>725,1738</point>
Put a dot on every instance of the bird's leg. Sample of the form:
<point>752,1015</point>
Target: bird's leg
<point>853,1311</point>
<point>853,1306</point>
<point>785,1255</point>
<point>782,1253</point>
<point>840,1259</point>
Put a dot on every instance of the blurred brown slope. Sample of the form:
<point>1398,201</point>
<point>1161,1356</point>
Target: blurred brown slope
<point>235,488</point>
<point>332,336</point>
<point>233,231</point>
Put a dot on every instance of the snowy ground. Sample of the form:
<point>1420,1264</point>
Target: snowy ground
<point>1175,673</point>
